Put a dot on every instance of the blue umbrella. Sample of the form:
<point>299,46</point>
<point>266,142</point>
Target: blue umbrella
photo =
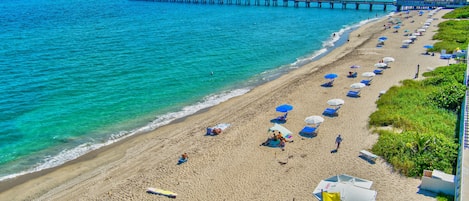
<point>331,76</point>
<point>397,27</point>
<point>284,108</point>
<point>383,38</point>
<point>428,46</point>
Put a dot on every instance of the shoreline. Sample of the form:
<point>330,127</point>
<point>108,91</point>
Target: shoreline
<point>100,168</point>
<point>314,56</point>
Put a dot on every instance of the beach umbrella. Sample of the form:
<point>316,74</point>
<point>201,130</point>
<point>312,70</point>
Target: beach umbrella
<point>428,46</point>
<point>413,37</point>
<point>416,34</point>
<point>407,41</point>
<point>284,108</point>
<point>331,76</point>
<point>383,38</point>
<point>355,66</point>
<point>335,102</point>
<point>421,30</point>
<point>381,65</point>
<point>397,27</point>
<point>368,74</point>
<point>407,30</point>
<point>357,85</point>
<point>425,27</point>
<point>314,120</point>
<point>388,59</point>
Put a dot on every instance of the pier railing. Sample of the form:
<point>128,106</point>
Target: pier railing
<point>461,191</point>
<point>286,3</point>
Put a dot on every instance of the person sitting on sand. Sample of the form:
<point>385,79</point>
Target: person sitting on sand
<point>183,158</point>
<point>279,136</point>
<point>282,143</point>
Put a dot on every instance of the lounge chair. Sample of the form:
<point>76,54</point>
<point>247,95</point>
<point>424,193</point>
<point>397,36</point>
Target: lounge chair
<point>328,84</point>
<point>331,112</point>
<point>352,75</point>
<point>366,82</point>
<point>378,72</point>
<point>354,94</point>
<point>280,119</point>
<point>309,131</point>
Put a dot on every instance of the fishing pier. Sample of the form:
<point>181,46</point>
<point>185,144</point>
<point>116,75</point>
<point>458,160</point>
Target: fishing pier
<point>295,3</point>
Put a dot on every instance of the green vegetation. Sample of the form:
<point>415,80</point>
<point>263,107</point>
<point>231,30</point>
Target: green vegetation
<point>453,33</point>
<point>458,13</point>
<point>443,197</point>
<point>424,116</point>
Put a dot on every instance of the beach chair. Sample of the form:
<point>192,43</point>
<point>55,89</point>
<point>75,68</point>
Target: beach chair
<point>309,131</point>
<point>378,72</point>
<point>331,112</point>
<point>352,75</point>
<point>328,84</point>
<point>354,94</point>
<point>366,82</point>
<point>280,119</point>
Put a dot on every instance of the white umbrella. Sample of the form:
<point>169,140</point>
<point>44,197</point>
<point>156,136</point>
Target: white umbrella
<point>413,37</point>
<point>416,34</point>
<point>407,41</point>
<point>421,30</point>
<point>357,85</point>
<point>314,120</point>
<point>335,102</point>
<point>368,74</point>
<point>425,27</point>
<point>388,59</point>
<point>381,65</point>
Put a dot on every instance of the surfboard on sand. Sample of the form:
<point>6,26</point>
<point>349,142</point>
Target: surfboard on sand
<point>158,191</point>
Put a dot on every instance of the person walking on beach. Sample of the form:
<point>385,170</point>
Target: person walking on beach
<point>338,140</point>
<point>417,73</point>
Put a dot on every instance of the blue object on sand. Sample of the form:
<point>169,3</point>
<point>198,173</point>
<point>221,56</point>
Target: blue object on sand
<point>354,94</point>
<point>284,108</point>
<point>366,82</point>
<point>182,160</point>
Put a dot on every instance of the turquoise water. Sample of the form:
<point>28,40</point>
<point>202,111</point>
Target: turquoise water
<point>78,75</point>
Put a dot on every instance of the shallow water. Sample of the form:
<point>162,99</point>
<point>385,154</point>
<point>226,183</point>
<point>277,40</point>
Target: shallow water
<point>78,75</point>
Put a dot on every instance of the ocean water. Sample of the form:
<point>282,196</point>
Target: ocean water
<point>78,75</point>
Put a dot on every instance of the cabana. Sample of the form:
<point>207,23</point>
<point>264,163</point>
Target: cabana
<point>348,187</point>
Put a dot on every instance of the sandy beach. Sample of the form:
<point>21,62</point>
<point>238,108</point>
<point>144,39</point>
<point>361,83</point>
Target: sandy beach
<point>232,165</point>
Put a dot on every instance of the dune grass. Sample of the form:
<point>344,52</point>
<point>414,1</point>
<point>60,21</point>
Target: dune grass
<point>424,117</point>
<point>453,34</point>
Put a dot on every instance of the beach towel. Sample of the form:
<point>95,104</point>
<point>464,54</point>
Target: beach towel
<point>221,126</point>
